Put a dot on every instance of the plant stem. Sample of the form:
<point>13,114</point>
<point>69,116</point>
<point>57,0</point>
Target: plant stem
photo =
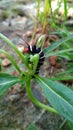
<point>47,7</point>
<point>11,59</point>
<point>38,8</point>
<point>36,102</point>
<point>0,65</point>
<point>14,47</point>
<point>65,9</point>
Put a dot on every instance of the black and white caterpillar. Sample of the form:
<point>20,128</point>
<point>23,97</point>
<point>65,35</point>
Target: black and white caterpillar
<point>32,49</point>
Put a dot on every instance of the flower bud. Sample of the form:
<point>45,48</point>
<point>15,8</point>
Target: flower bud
<point>20,47</point>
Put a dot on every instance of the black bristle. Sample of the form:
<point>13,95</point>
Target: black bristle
<point>36,72</point>
<point>29,48</point>
<point>41,54</point>
<point>37,69</point>
<point>38,50</point>
<point>41,60</point>
<point>40,63</point>
<point>34,48</point>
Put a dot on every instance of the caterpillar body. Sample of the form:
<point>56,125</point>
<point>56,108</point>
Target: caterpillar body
<point>32,49</point>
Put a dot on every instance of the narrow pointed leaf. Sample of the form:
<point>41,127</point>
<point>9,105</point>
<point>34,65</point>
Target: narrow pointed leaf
<point>59,52</point>
<point>6,81</point>
<point>59,96</point>
<point>62,78</point>
<point>56,44</point>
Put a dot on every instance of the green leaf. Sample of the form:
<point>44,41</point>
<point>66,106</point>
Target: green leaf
<point>59,52</point>
<point>59,96</point>
<point>70,125</point>
<point>56,44</point>
<point>6,81</point>
<point>62,78</point>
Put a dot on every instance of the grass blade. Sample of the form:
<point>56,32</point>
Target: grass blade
<point>56,44</point>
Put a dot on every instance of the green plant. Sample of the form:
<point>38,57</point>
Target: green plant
<point>43,17</point>
<point>59,95</point>
<point>70,125</point>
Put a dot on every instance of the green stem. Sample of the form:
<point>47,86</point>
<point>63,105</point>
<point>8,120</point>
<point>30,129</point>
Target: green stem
<point>0,65</point>
<point>14,47</point>
<point>11,59</point>
<point>36,102</point>
<point>65,9</point>
<point>47,7</point>
<point>38,8</point>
